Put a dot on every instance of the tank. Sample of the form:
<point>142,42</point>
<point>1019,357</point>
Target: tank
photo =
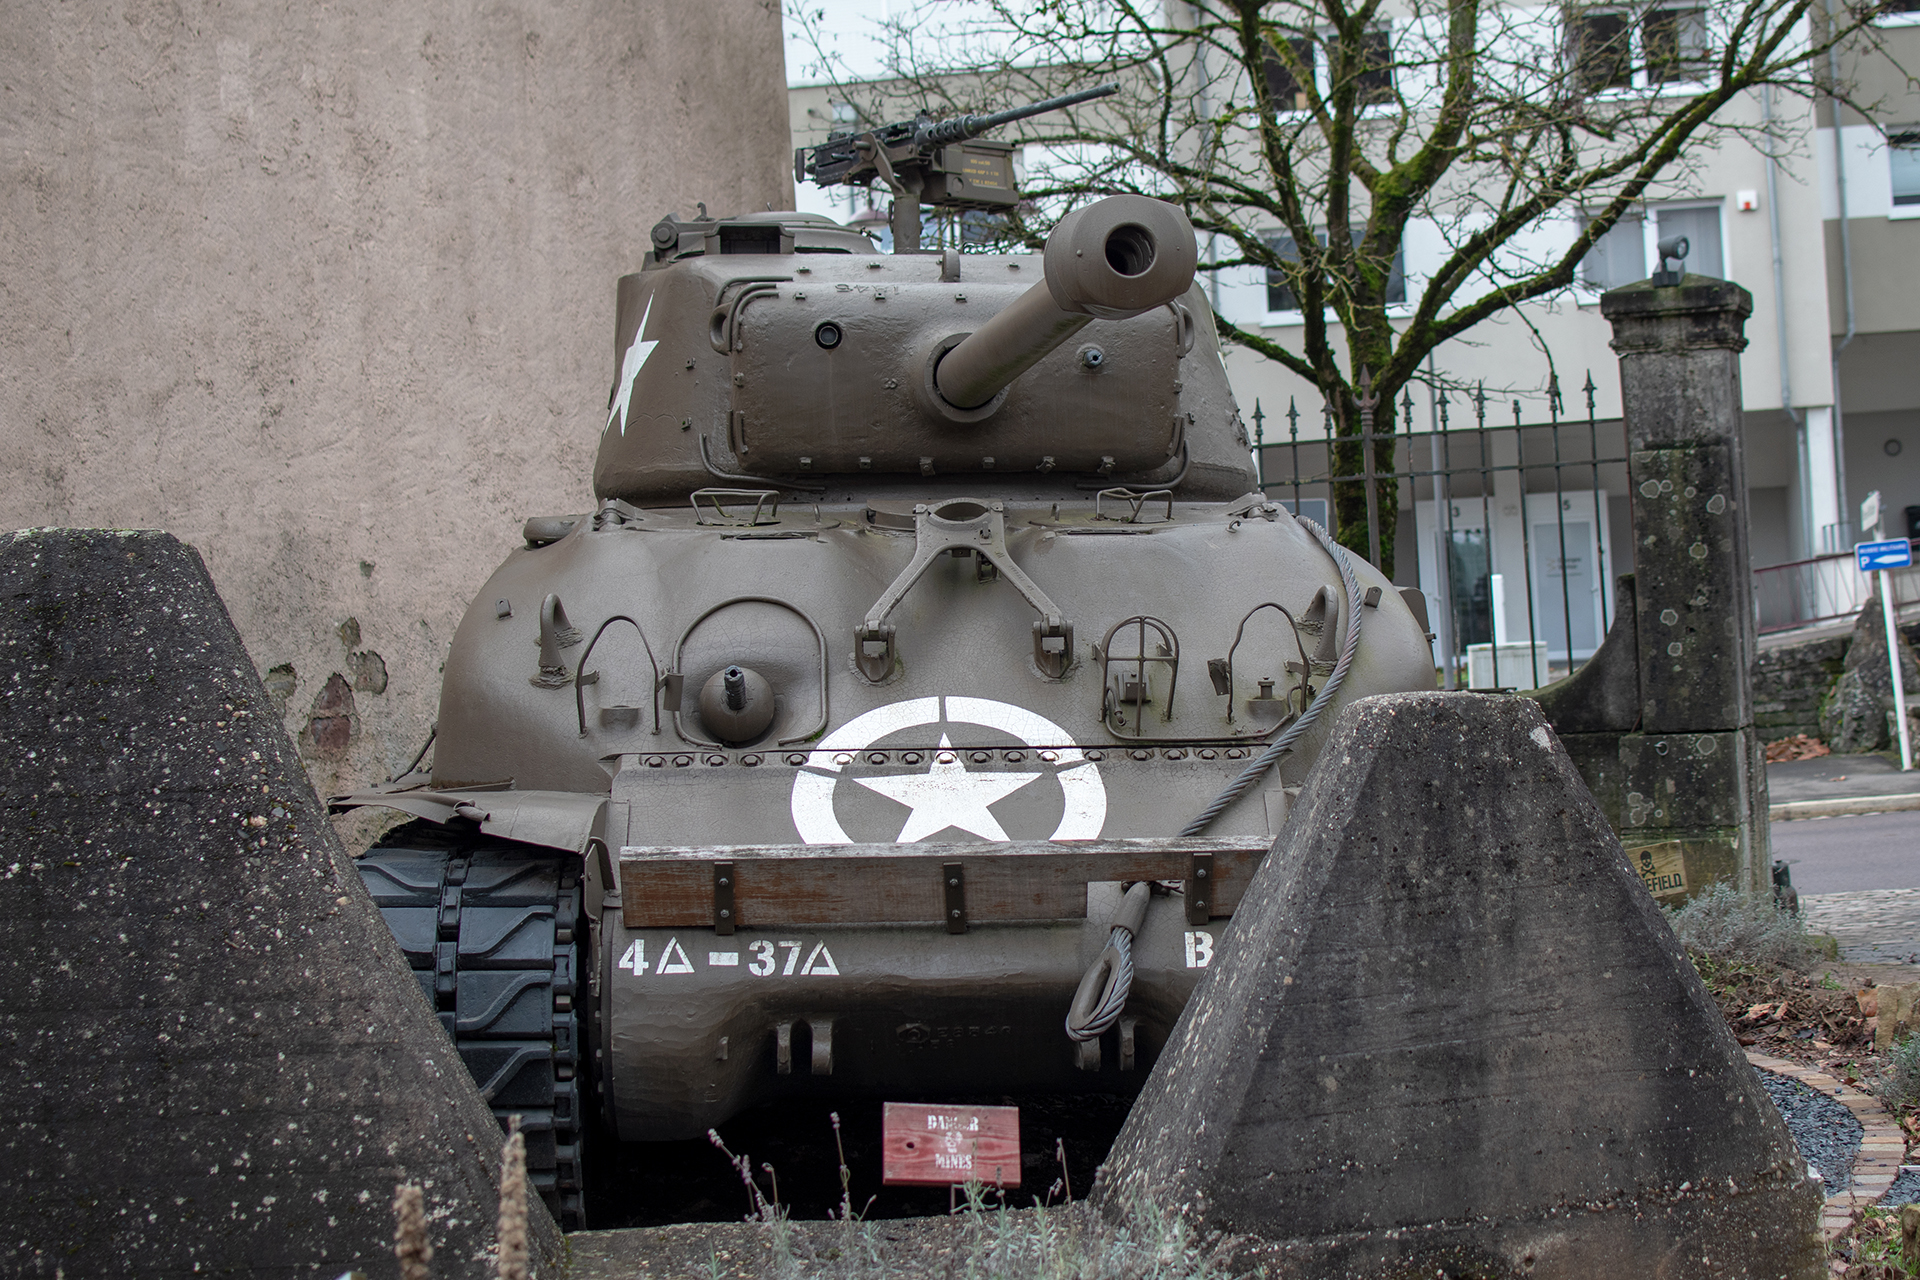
<point>869,736</point>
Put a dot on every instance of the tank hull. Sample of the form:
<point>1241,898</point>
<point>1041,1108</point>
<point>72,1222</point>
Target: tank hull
<point>696,1027</point>
<point>785,597</point>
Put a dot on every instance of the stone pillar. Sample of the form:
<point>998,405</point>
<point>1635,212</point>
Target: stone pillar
<point>1661,720</point>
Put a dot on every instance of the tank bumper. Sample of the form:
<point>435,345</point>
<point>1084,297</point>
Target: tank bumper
<point>697,1026</point>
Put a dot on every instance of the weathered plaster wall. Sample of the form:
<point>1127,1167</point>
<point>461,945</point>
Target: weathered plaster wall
<point>327,291</point>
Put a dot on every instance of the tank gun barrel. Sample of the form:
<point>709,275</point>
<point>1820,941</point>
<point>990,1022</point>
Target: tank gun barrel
<point>960,128</point>
<point>1110,260</point>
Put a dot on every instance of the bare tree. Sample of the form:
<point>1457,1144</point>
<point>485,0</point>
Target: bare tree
<point>1307,138</point>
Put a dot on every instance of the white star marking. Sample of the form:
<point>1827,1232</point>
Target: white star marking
<point>946,795</point>
<point>630,366</point>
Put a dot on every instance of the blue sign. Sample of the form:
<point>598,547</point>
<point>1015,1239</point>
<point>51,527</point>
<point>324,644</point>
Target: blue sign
<point>1893,553</point>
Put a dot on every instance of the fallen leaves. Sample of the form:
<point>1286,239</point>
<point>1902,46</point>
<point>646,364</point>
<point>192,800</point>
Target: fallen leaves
<point>1799,747</point>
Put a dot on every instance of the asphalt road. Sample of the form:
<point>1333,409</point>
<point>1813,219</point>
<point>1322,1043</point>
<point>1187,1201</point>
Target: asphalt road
<point>1846,855</point>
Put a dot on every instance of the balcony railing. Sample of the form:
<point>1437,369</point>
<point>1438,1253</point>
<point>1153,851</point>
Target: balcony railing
<point>1803,593</point>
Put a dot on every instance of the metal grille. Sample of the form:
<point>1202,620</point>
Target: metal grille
<point>1478,480</point>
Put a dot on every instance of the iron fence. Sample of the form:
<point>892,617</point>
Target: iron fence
<point>1802,593</point>
<point>1476,496</point>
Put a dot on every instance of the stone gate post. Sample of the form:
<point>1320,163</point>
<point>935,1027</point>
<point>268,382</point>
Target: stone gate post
<point>1661,719</point>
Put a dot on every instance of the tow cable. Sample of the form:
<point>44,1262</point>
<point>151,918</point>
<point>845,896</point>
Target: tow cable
<point>1110,978</point>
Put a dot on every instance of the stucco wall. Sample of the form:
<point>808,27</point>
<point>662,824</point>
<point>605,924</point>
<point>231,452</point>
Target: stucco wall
<point>327,291</point>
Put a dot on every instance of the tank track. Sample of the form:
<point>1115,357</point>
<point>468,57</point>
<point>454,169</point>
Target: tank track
<point>489,928</point>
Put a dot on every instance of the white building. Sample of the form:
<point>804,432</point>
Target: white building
<point>1831,375</point>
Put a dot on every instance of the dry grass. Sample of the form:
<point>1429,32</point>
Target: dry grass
<point>993,1241</point>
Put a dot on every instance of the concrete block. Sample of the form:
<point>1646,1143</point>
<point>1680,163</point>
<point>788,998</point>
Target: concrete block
<point>1675,865</point>
<point>215,1061</point>
<point>1679,353</point>
<point>1448,1032</point>
<point>1597,757</point>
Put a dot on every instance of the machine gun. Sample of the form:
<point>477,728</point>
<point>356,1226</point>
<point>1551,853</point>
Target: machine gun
<point>928,161</point>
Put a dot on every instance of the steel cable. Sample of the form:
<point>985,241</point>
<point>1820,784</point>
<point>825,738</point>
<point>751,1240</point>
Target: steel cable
<point>1111,974</point>
<point>1102,995</point>
<point>1117,962</point>
<point>1284,743</point>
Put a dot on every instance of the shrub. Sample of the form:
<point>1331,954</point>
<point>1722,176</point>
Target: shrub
<point>1729,927</point>
<point>1900,1077</point>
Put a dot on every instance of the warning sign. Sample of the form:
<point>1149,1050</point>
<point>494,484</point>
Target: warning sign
<point>930,1146</point>
<point>1662,868</point>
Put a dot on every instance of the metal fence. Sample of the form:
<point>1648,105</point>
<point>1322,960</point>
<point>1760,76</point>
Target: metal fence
<point>1486,501</point>
<point>1469,488</point>
<point>1802,593</point>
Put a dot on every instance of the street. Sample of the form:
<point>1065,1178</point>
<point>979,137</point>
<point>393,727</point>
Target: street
<point>1849,854</point>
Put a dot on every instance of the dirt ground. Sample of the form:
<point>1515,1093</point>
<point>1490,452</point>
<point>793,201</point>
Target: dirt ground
<point>1825,1017</point>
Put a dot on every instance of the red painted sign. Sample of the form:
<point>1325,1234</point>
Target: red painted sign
<point>929,1146</point>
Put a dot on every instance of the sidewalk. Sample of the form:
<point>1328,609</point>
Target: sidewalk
<point>1833,785</point>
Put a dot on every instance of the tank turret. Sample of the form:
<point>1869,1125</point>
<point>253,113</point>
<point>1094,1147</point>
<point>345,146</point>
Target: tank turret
<point>832,366</point>
<point>1114,260</point>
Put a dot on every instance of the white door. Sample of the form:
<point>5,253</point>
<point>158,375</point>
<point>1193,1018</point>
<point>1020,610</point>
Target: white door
<point>1572,582</point>
<point>1570,566</point>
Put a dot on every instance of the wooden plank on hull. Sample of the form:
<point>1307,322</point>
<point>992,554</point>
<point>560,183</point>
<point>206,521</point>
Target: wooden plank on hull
<point>908,884</point>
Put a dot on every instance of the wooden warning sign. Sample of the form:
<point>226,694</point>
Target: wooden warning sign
<point>1662,868</point>
<point>931,1146</point>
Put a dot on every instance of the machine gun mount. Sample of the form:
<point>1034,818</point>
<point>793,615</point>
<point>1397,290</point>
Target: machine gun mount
<point>924,161</point>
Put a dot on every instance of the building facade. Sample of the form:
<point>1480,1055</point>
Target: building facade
<point>1518,531</point>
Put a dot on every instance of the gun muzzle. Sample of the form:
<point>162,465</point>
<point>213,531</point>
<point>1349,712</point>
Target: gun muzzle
<point>1118,258</point>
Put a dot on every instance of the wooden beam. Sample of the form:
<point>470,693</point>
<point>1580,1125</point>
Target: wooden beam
<point>795,884</point>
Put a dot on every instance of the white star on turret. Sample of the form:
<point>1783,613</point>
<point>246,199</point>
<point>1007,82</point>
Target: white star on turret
<point>630,366</point>
<point>946,795</point>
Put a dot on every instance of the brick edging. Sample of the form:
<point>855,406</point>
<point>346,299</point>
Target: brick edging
<point>1882,1145</point>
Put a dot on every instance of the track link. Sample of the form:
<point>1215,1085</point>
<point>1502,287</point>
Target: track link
<point>489,928</point>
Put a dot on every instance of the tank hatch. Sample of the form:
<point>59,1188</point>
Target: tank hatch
<point>778,232</point>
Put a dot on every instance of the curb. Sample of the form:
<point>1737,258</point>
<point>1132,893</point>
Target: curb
<point>1842,805</point>
<point>1882,1145</point>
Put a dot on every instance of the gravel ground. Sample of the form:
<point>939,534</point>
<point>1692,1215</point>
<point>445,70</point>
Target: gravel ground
<point>1826,1132</point>
<point>1905,1190</point>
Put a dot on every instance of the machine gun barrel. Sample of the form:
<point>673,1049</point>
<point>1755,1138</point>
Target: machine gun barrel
<point>960,128</point>
<point>910,144</point>
<point>1111,260</point>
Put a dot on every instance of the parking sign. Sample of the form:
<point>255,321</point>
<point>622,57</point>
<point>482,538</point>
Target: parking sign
<point>1890,553</point>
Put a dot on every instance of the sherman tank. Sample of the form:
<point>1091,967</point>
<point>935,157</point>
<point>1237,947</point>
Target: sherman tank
<point>910,709</point>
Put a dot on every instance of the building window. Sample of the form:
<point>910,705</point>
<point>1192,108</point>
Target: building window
<point>1675,44</point>
<point>1600,47</point>
<point>1374,79</point>
<point>1626,252</point>
<point>1903,165</point>
<point>1280,295</point>
<point>1375,76</point>
<point>1618,257</point>
<point>1609,49</point>
<point>1287,91</point>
